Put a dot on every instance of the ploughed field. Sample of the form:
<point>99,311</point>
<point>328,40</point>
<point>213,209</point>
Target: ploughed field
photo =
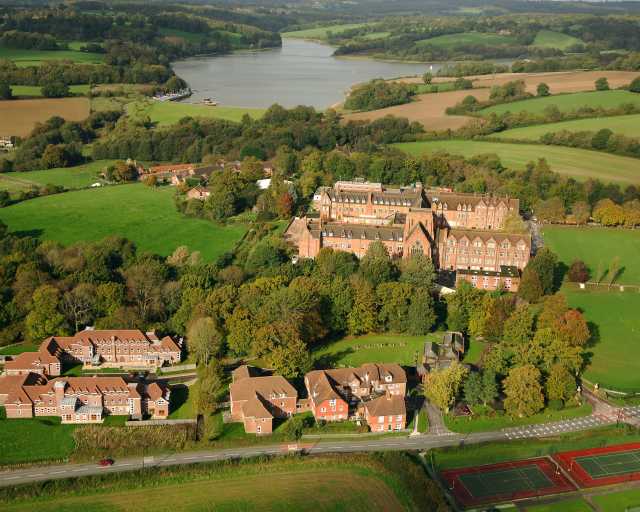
<point>18,117</point>
<point>577,163</point>
<point>147,216</point>
<point>623,125</point>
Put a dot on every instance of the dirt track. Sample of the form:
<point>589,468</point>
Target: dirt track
<point>18,117</point>
<point>430,109</point>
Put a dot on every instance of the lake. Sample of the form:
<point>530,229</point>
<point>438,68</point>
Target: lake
<point>299,73</point>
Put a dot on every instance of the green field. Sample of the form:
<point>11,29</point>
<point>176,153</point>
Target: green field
<point>321,33</point>
<point>468,39</point>
<point>80,176</point>
<point>19,348</point>
<point>36,57</point>
<point>192,37</point>
<point>170,112</point>
<point>145,215</point>
<point>597,247</point>
<point>570,505</point>
<point>551,39</point>
<point>567,102</point>
<point>35,91</point>
<point>619,501</point>
<point>33,440</point>
<point>614,320</point>
<point>624,125</point>
<point>577,163</point>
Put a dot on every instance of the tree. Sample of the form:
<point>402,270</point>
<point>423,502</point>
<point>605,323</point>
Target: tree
<point>553,307</point>
<point>442,386</point>
<point>578,272</point>
<point>376,265</point>
<point>291,360</point>
<point>151,181</point>
<point>581,212</point>
<point>523,391</point>
<point>572,328</point>
<point>550,210</point>
<point>421,316</point>
<point>461,304</point>
<point>44,318</point>
<point>211,386</point>
<point>362,318</point>
<point>54,156</point>
<point>418,271</point>
<point>203,339</point>
<point>602,84</point>
<point>560,384</point>
<point>427,78</point>
<point>55,90</point>
<point>543,90</point>
<point>79,304</point>
<point>634,86</point>
<point>489,390</point>
<point>393,305</point>
<point>530,288</point>
<point>5,91</point>
<point>518,328</point>
<point>544,264</point>
<point>473,389</point>
<point>600,139</point>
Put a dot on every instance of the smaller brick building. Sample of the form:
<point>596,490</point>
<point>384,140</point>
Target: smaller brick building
<point>386,413</point>
<point>507,278</point>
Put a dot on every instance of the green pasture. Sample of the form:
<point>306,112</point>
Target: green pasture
<point>566,102</point>
<point>577,163</point>
<point>322,32</point>
<point>192,37</point>
<point>623,125</point>
<point>35,91</point>
<point>25,58</point>
<point>622,501</point>
<point>468,39</point>
<point>19,348</point>
<point>147,216</point>
<point>568,505</point>
<point>376,35</point>
<point>80,176</point>
<point>170,112</point>
<point>551,39</point>
<point>614,321</point>
<point>597,247</point>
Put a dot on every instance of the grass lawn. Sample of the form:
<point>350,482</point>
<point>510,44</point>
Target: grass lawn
<point>551,39</point>
<point>468,39</point>
<point>578,163</point>
<point>474,351</point>
<point>570,505</point>
<point>613,317</point>
<point>597,247</point>
<point>24,58</point>
<point>35,91</point>
<point>170,112</point>
<point>423,422</point>
<point>146,216</point>
<point>468,424</point>
<point>567,102</point>
<point>183,401</point>
<point>19,348</point>
<point>624,125</point>
<point>35,439</point>
<point>80,176</point>
<point>428,88</point>
<point>618,501</point>
<point>321,32</point>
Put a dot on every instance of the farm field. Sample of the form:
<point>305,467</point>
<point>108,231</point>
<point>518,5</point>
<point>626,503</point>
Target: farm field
<point>93,214</point>
<point>624,125</point>
<point>321,33</point>
<point>24,58</point>
<point>567,102</point>
<point>20,116</point>
<point>466,39</point>
<point>577,163</point>
<point>597,246</point>
<point>80,176</point>
<point>166,113</point>
<point>551,39</point>
<point>35,91</point>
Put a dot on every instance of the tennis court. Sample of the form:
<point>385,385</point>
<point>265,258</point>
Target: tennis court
<point>599,466</point>
<point>506,481</point>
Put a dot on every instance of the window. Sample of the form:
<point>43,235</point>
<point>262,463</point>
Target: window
<point>380,419</point>
<point>258,429</point>
<point>323,409</point>
<point>332,403</point>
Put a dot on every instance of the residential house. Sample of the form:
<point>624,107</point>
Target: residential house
<point>199,193</point>
<point>179,173</point>
<point>438,356</point>
<point>386,413</point>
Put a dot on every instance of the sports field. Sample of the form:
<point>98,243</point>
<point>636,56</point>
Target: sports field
<point>551,39</point>
<point>567,102</point>
<point>144,215</point>
<point>170,112</point>
<point>320,33</point>
<point>578,163</point>
<point>624,125</point>
<point>18,117</point>
<point>505,481</point>
<point>24,58</point>
<point>468,39</point>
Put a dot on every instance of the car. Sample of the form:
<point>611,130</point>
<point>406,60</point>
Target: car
<point>107,461</point>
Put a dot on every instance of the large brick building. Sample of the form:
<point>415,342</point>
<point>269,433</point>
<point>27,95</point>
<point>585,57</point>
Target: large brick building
<point>457,231</point>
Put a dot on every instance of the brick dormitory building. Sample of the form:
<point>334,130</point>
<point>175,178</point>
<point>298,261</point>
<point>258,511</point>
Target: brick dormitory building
<point>461,233</point>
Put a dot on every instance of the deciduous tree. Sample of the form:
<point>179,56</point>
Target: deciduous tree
<point>442,386</point>
<point>523,391</point>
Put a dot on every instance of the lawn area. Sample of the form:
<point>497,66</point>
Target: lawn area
<point>567,102</point>
<point>597,246</point>
<point>551,39</point>
<point>321,33</point>
<point>170,112</point>
<point>619,501</point>
<point>33,440</point>
<point>146,216</point>
<point>614,319</point>
<point>570,505</point>
<point>624,125</point>
<point>577,163</point>
<point>183,401</point>
<point>24,58</point>
<point>468,39</point>
<point>19,348</point>
<point>467,424</point>
<point>440,87</point>
<point>80,176</point>
<point>35,91</point>
<point>474,351</point>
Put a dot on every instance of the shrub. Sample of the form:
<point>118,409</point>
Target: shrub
<point>634,86</point>
<point>55,90</point>
<point>543,90</point>
<point>556,405</point>
<point>578,272</point>
<point>378,94</point>
<point>602,84</point>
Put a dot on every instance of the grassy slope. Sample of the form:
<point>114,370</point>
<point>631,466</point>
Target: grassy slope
<point>618,501</point>
<point>624,125</point>
<point>70,177</point>
<point>597,246</point>
<point>165,113</point>
<point>578,163</point>
<point>146,216</point>
<point>35,91</point>
<point>551,39</point>
<point>567,102</point>
<point>192,37</point>
<point>467,38</point>
<point>19,348</point>
<point>35,57</point>
<point>321,32</point>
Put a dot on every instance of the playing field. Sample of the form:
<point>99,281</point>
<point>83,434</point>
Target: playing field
<point>144,215</point>
<point>624,125</point>
<point>551,39</point>
<point>36,57</point>
<point>170,112</point>
<point>321,33</point>
<point>578,163</point>
<point>468,39</point>
<point>567,102</point>
<point>505,481</point>
<point>18,117</point>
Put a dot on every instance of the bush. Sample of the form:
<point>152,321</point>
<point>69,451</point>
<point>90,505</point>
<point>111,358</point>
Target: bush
<point>634,86</point>
<point>555,405</point>
<point>602,84</point>
<point>578,272</point>
<point>462,84</point>
<point>378,94</point>
<point>55,90</point>
<point>543,90</point>
<point>5,91</point>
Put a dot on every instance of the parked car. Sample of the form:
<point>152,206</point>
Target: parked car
<point>108,461</point>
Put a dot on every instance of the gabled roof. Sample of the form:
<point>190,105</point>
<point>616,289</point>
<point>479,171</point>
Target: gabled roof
<point>255,408</point>
<point>245,389</point>
<point>386,405</point>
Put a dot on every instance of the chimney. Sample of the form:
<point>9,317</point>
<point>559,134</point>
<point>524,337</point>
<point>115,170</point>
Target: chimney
<point>58,388</point>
